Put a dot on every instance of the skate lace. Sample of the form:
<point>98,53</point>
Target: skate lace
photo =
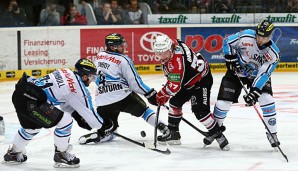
<point>20,157</point>
<point>272,139</point>
<point>68,156</point>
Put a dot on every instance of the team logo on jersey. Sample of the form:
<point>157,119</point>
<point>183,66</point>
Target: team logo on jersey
<point>247,44</point>
<point>193,100</point>
<point>170,66</point>
<point>205,96</point>
<point>174,77</point>
<point>109,88</point>
<point>70,81</point>
<point>272,121</point>
<point>268,57</point>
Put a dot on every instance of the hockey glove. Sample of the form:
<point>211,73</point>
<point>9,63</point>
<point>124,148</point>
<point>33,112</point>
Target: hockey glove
<point>151,97</point>
<point>232,63</point>
<point>162,96</point>
<point>252,97</point>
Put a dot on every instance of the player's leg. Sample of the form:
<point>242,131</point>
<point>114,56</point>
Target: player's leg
<point>200,105</point>
<point>174,118</point>
<point>63,157</point>
<point>267,105</point>
<point>136,106</point>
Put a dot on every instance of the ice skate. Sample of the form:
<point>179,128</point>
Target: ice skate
<point>14,157</point>
<point>271,140</point>
<point>163,128</point>
<point>223,142</point>
<point>65,159</point>
<point>170,137</point>
<point>208,140</point>
<point>220,138</point>
<point>88,138</point>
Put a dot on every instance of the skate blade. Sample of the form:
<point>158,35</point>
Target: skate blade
<point>275,149</point>
<point>64,165</point>
<point>171,142</point>
<point>12,162</point>
<point>226,148</point>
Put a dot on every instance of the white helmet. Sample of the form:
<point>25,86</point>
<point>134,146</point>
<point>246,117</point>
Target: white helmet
<point>162,43</point>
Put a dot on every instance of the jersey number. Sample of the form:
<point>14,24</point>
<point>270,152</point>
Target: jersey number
<point>198,64</point>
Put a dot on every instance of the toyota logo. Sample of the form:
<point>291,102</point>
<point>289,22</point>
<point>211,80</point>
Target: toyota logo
<point>147,40</point>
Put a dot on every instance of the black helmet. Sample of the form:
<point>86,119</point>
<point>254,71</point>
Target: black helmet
<point>85,67</point>
<point>264,28</point>
<point>114,39</point>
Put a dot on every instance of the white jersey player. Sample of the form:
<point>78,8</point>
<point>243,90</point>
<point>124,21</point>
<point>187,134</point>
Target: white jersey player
<point>34,101</point>
<point>119,85</point>
<point>254,56</point>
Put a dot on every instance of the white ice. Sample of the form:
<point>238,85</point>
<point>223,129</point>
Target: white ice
<point>250,149</point>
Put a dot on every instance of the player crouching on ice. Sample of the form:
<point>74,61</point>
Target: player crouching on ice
<point>34,101</point>
<point>119,87</point>
<point>188,78</point>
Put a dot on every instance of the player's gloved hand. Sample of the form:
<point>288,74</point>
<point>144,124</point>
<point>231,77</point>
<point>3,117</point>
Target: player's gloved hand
<point>162,96</point>
<point>252,97</point>
<point>232,63</point>
<point>151,97</point>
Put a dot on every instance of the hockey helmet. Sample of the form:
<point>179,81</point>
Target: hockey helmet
<point>264,28</point>
<point>162,43</point>
<point>114,39</point>
<point>85,67</point>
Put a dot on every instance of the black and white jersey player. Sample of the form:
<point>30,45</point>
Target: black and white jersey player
<point>119,85</point>
<point>253,56</point>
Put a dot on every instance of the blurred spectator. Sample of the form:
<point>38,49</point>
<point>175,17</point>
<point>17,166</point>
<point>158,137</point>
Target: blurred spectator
<point>87,11</point>
<point>269,6</point>
<point>49,16</point>
<point>135,13</point>
<point>14,16</point>
<point>73,17</point>
<point>228,7</point>
<point>95,4</point>
<point>60,7</point>
<point>105,16</point>
<point>293,6</point>
<point>204,6</point>
<point>118,12</point>
<point>175,6</point>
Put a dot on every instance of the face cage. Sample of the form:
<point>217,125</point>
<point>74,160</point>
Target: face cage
<point>92,77</point>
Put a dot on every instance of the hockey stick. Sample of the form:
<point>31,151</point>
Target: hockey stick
<point>142,144</point>
<point>156,122</point>
<point>190,124</point>
<point>246,91</point>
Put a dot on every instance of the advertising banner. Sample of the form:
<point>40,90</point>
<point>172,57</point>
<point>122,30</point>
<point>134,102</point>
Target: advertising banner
<point>140,42</point>
<point>277,17</point>
<point>8,50</point>
<point>227,18</point>
<point>208,41</point>
<point>174,18</point>
<point>49,48</point>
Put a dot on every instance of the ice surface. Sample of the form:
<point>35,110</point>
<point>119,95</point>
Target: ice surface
<point>250,149</point>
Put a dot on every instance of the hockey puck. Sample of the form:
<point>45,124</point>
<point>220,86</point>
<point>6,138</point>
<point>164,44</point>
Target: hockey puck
<point>143,133</point>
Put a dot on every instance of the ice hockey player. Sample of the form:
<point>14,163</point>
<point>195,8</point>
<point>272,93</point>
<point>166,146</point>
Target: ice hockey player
<point>253,56</point>
<point>188,78</point>
<point>35,101</point>
<point>119,86</point>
